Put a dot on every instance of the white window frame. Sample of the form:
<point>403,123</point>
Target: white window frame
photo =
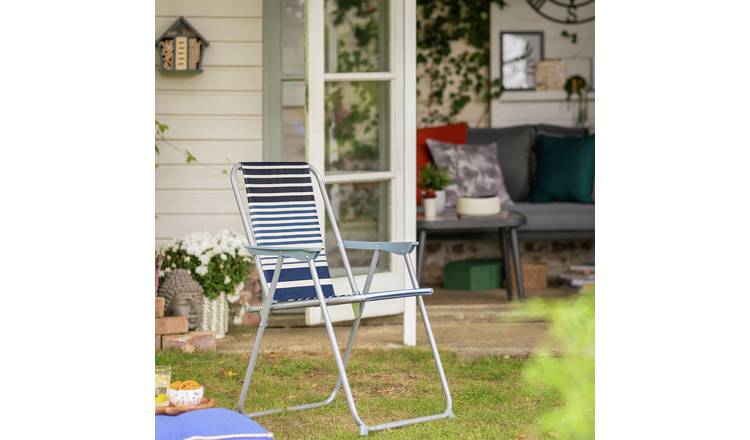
<point>402,155</point>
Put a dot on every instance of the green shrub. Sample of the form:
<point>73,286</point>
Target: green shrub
<point>569,372</point>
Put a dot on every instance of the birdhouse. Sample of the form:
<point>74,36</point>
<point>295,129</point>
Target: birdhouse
<point>181,48</point>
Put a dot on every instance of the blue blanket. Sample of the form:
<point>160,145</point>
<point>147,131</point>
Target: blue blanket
<point>213,423</point>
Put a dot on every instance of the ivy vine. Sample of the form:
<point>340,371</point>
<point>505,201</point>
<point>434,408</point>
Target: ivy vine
<point>161,139</point>
<point>450,76</point>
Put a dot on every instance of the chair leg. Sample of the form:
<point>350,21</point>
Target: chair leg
<point>347,352</point>
<point>436,355</point>
<point>253,358</point>
<point>336,354</point>
<point>264,313</point>
<point>364,429</point>
<point>448,413</point>
<point>341,363</point>
<point>328,400</point>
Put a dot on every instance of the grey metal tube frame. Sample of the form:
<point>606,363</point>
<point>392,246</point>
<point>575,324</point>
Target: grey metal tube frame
<point>341,362</point>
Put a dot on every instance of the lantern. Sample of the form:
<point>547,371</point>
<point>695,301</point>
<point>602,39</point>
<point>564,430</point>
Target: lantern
<point>181,48</point>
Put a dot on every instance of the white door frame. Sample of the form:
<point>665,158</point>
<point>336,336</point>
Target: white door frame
<point>402,138</point>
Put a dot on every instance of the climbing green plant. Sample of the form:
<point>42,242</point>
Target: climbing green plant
<point>451,76</point>
<point>160,140</point>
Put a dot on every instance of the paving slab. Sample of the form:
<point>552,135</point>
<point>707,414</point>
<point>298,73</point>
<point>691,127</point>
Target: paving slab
<point>467,323</point>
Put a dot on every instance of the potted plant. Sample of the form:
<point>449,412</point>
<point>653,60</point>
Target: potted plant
<point>219,263</point>
<point>577,85</point>
<point>433,181</point>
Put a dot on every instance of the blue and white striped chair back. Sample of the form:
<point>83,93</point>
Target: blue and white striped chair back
<point>283,213</point>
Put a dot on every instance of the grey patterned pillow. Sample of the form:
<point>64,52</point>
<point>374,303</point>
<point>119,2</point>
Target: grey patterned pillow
<point>475,170</point>
<point>445,155</point>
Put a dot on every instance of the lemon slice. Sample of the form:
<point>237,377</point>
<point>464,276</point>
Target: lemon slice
<point>161,400</point>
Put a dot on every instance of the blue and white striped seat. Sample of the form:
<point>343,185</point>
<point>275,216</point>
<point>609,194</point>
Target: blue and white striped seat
<point>283,214</point>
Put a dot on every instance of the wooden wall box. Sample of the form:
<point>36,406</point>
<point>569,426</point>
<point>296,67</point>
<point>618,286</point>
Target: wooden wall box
<point>181,48</point>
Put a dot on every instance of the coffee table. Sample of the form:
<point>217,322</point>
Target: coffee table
<point>505,223</point>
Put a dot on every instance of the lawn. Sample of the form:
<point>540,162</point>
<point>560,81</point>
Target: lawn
<point>490,398</point>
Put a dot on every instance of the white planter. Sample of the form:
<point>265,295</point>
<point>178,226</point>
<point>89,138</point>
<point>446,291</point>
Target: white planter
<point>215,316</point>
<point>430,208</point>
<point>440,197</point>
<point>478,206</point>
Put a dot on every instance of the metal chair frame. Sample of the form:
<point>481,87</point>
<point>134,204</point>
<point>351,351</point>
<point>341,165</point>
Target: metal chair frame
<point>357,299</point>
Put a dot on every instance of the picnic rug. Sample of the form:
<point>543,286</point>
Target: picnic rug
<point>209,424</point>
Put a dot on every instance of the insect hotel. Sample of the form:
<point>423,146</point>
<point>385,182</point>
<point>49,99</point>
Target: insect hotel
<point>181,48</point>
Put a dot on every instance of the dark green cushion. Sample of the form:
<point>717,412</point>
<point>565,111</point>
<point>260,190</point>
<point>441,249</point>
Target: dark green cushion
<point>565,170</point>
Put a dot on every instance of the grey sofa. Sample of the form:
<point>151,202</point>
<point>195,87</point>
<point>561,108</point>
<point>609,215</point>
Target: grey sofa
<point>516,153</point>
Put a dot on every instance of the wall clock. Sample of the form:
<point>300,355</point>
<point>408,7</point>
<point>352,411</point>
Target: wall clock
<point>566,12</point>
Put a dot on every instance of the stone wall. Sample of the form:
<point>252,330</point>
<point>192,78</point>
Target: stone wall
<point>557,254</point>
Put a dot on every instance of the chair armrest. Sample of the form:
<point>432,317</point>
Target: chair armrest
<point>296,253</point>
<point>395,247</point>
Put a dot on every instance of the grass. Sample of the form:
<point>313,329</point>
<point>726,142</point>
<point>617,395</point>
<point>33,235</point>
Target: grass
<point>490,397</point>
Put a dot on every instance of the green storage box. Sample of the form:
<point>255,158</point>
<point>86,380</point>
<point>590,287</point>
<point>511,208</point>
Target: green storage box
<point>475,274</point>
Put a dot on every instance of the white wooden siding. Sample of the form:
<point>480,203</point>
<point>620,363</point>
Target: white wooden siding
<point>216,115</point>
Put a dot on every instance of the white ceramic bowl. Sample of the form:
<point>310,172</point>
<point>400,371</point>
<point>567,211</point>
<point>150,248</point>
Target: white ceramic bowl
<point>477,206</point>
<point>184,397</point>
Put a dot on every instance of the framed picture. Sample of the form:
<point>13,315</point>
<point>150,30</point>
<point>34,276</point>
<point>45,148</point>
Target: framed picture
<point>519,54</point>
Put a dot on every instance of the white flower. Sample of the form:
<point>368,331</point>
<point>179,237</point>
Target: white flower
<point>224,257</point>
<point>238,288</point>
<point>205,258</point>
<point>161,273</point>
<point>227,280</point>
<point>201,270</point>
<point>233,298</point>
<point>166,270</point>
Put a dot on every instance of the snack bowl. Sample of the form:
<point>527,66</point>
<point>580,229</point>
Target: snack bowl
<point>185,397</point>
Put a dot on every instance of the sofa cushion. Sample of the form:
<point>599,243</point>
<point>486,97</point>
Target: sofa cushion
<point>481,174</point>
<point>445,157</point>
<point>514,147</point>
<point>565,170</point>
<point>455,133</point>
<point>474,169</point>
<point>556,130</point>
<point>556,216</point>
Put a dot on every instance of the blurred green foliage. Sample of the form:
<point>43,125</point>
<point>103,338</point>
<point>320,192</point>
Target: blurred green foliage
<point>568,368</point>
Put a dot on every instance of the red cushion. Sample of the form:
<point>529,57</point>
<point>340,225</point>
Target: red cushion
<point>453,133</point>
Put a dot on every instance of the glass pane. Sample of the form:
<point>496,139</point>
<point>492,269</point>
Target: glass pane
<point>356,35</point>
<point>293,38</point>
<point>293,120</point>
<point>357,126</point>
<point>362,213</point>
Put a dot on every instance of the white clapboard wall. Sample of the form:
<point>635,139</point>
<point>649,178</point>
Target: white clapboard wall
<point>216,115</point>
<point>531,107</point>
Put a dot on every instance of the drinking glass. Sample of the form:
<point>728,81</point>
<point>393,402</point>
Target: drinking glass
<point>163,379</point>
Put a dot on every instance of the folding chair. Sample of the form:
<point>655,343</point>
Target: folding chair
<point>280,218</point>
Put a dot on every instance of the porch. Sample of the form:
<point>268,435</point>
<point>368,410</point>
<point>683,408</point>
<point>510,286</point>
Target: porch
<point>470,324</point>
